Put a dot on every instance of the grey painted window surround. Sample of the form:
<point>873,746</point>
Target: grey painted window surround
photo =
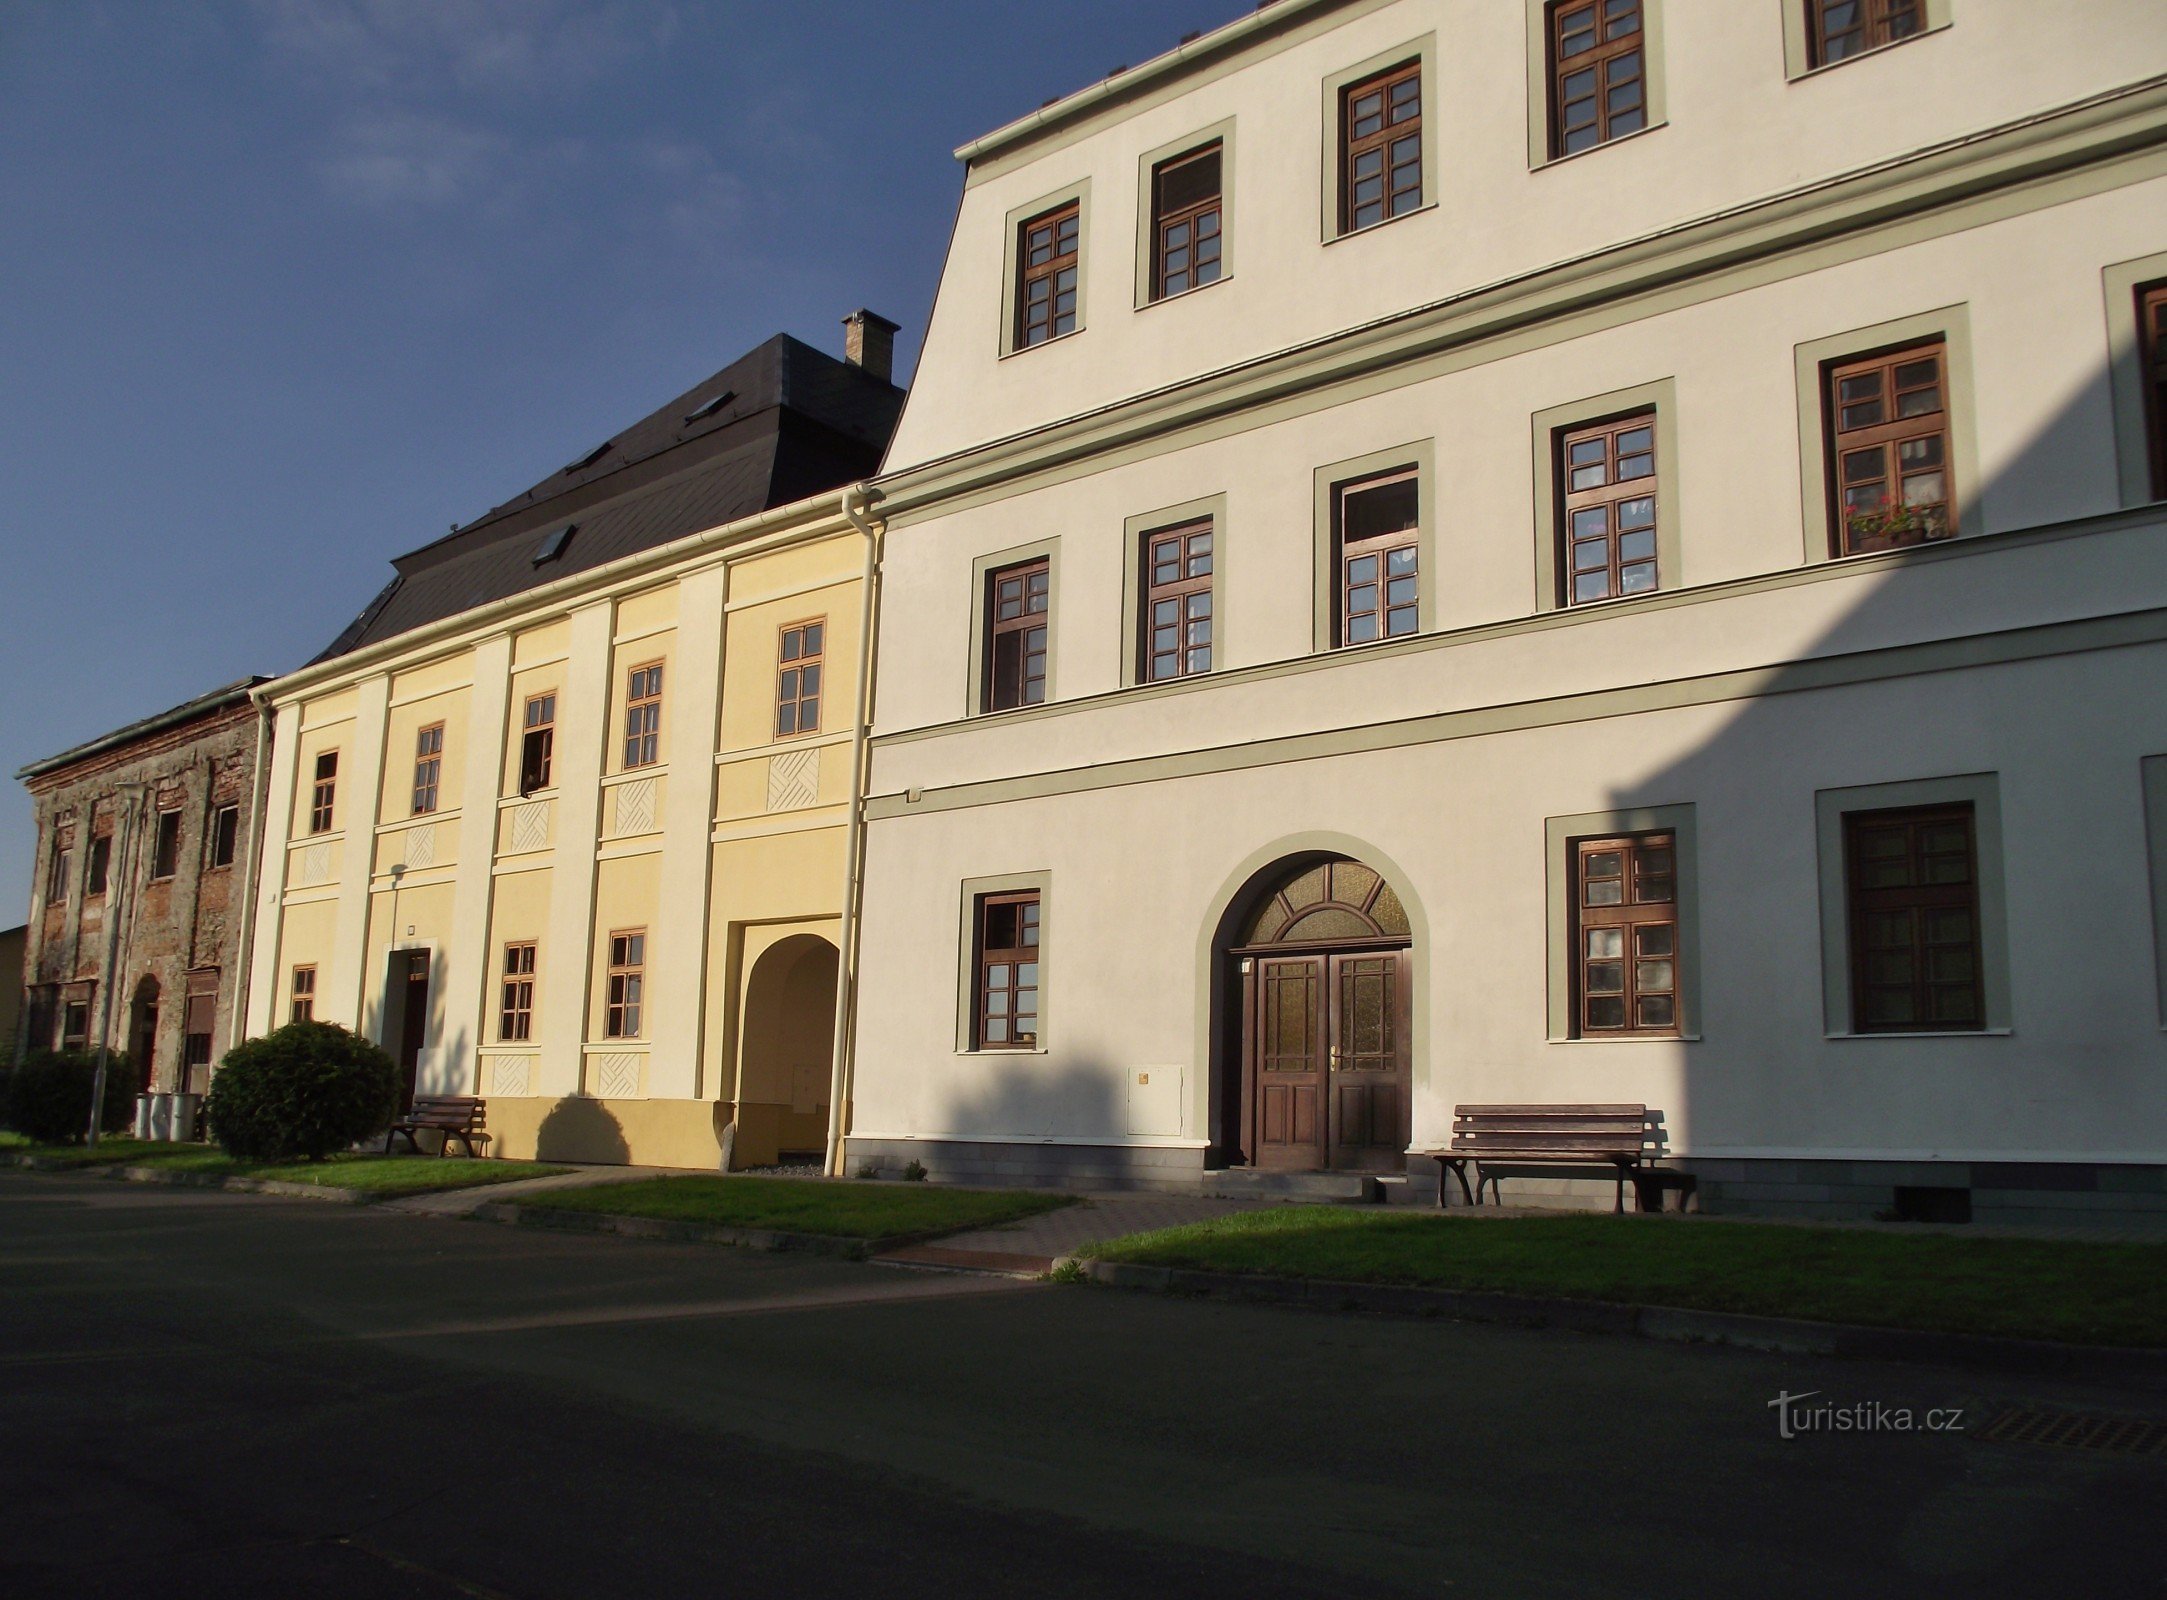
<point>2154,771</point>
<point>1220,133</point>
<point>1982,791</point>
<point>1133,532</point>
<point>967,957</point>
<point>1559,834</point>
<point>1333,169</point>
<point>1949,324</point>
<point>1011,262</point>
<point>1798,39</point>
<point>2125,356</point>
<point>1422,456</point>
<point>974,688</point>
<point>1539,110</point>
<point>1659,398</point>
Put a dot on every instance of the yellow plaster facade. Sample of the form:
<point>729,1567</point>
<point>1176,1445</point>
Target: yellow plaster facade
<point>679,911</point>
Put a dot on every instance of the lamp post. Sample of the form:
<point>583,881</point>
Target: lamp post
<point>115,906</point>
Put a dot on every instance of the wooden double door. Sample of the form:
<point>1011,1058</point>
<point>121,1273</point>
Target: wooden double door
<point>1328,1077</point>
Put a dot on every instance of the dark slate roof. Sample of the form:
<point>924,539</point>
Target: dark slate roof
<point>800,422</point>
<point>203,705</point>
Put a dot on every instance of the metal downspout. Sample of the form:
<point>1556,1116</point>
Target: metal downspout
<point>843,1055</point>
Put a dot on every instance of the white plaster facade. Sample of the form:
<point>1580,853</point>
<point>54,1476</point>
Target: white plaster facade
<point>1988,184</point>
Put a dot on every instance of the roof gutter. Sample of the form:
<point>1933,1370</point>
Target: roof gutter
<point>724,536</point>
<point>1267,18</point>
<point>842,1051</point>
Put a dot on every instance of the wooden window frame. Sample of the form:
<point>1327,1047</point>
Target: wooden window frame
<point>225,834</point>
<point>165,850</point>
<point>800,649</point>
<point>324,792</point>
<point>1901,525</point>
<point>2151,301</point>
<point>428,769</point>
<point>1016,692</point>
<point>1008,988</point>
<point>1863,901</point>
<point>624,999</point>
<point>61,867</point>
<point>74,1023</point>
<point>98,866</point>
<point>301,994</point>
<point>1877,20</point>
<point>1191,593</point>
<point>1193,216</point>
<point>1638,918</point>
<point>1355,147</point>
<point>1603,488</point>
<point>643,715</point>
<point>537,742</point>
<point>1602,56</point>
<point>515,993</point>
<point>1030,329</point>
<point>1349,579</point>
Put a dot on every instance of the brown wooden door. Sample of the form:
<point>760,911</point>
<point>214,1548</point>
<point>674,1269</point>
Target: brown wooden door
<point>1370,1070</point>
<point>1288,1057</point>
<point>413,1020</point>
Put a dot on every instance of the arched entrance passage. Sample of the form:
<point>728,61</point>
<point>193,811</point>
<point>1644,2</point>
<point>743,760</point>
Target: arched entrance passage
<point>789,1036</point>
<point>1323,980</point>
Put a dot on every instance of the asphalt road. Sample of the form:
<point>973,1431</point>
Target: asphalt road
<point>225,1395</point>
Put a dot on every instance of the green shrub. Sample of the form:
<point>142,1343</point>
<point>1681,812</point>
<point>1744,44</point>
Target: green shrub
<point>310,1090</point>
<point>47,1095</point>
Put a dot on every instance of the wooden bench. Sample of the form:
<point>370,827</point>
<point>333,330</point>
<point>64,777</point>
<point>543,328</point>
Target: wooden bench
<point>456,1116</point>
<point>1610,1136</point>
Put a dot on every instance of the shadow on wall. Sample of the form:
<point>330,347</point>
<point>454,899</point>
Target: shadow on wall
<point>580,1129</point>
<point>1775,967</point>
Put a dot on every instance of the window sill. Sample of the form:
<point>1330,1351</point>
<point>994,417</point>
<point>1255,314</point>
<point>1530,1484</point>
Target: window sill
<point>1172,299</point>
<point>1928,1033</point>
<point>1631,1038</point>
<point>1866,55</point>
<point>996,1055</point>
<point>1548,162</point>
<point>1364,233</point>
<point>1010,351</point>
<point>547,793</point>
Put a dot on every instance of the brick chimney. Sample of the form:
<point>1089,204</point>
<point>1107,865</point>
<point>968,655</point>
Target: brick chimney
<point>869,342</point>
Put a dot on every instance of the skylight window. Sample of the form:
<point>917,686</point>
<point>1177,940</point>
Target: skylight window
<point>591,457</point>
<point>707,408</point>
<point>552,545</point>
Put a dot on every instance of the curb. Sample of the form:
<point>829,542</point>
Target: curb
<point>667,1231</point>
<point>1782,1335</point>
<point>116,1173</point>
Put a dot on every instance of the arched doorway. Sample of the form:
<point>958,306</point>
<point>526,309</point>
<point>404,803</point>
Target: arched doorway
<point>789,1037</point>
<point>143,1033</point>
<point>1323,980</point>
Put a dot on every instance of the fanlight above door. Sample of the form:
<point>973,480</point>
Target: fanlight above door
<point>1331,902</point>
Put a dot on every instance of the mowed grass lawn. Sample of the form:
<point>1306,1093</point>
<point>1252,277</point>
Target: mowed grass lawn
<point>842,1208</point>
<point>2105,1292</point>
<point>384,1177</point>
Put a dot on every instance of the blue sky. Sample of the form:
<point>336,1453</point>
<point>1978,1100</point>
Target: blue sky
<point>290,286</point>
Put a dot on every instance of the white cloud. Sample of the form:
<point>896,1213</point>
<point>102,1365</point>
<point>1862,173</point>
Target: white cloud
<point>476,46</point>
<point>403,159</point>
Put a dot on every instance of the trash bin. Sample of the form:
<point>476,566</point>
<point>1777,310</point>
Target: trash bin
<point>142,1116</point>
<point>161,1117</point>
<point>185,1110</point>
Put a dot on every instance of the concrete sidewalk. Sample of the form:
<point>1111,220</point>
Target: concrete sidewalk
<point>465,1202</point>
<point>1033,1245</point>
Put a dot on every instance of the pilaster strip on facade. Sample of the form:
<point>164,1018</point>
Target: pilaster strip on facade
<point>583,724</point>
<point>688,807</point>
<point>466,965</point>
<point>361,776</point>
